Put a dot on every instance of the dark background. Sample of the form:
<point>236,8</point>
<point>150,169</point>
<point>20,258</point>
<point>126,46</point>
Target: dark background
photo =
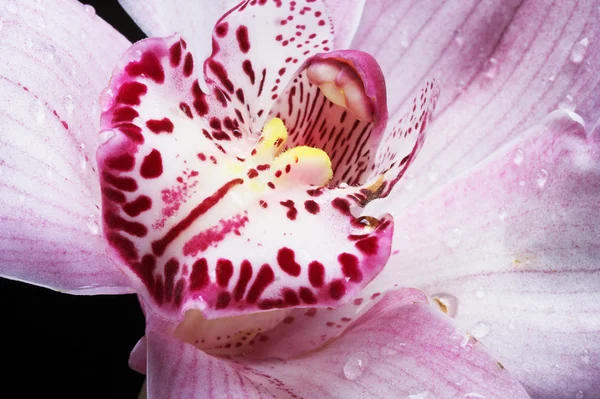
<point>57,345</point>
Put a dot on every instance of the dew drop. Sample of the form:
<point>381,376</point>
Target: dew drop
<point>448,303</point>
<point>541,178</point>
<point>433,173</point>
<point>492,68</point>
<point>404,40</point>
<point>480,292</point>
<point>552,78</point>
<point>39,112</point>
<point>69,104</point>
<point>530,368</point>
<point>343,185</point>
<point>388,351</point>
<point>452,237</point>
<point>579,51</point>
<point>89,10</point>
<point>518,156</point>
<point>502,213</point>
<point>92,225</point>
<point>355,365</point>
<point>480,330</point>
<point>585,357</point>
<point>579,395</point>
<point>22,198</point>
<point>567,103</point>
<point>521,181</point>
<point>409,183</point>
<point>29,42</point>
<point>474,395</point>
<point>420,395</point>
<point>459,40</point>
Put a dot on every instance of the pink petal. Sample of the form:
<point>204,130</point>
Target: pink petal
<point>58,57</point>
<point>257,48</point>
<point>198,222</point>
<point>515,243</point>
<point>346,16</point>
<point>392,351</point>
<point>503,66</point>
<point>137,358</point>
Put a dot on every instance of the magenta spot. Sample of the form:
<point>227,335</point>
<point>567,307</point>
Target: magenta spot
<point>224,271</point>
<point>307,296</point>
<point>124,114</point>
<point>264,277</point>
<point>267,304</point>
<point>290,297</point>
<point>278,174</point>
<point>242,37</point>
<point>123,245</point>
<point>337,289</point>
<point>245,275</point>
<point>200,104</point>
<point>248,70</point>
<point>163,125</point>
<point>263,203</point>
<point>199,277</point>
<point>350,267</point>
<point>342,205</point>
<point>316,274</point>
<point>171,269</point>
<point>132,131</point>
<point>114,195</point>
<point>263,167</point>
<point>124,162</point>
<point>188,65</point>
<point>239,93</point>
<point>130,93</point>
<point>287,262</point>
<point>201,156</point>
<point>358,301</point>
<point>222,29</point>
<point>310,312</point>
<point>219,70</point>
<point>139,205</point>
<point>116,222</point>
<point>368,245</point>
<point>375,295</point>
<point>122,183</point>
<point>215,123</point>
<point>219,136</point>
<point>223,300</point>
<point>252,173</point>
<point>292,211</point>
<point>186,110</point>
<point>214,235</point>
<point>175,54</point>
<point>312,207</point>
<point>272,186</point>
<point>288,167</point>
<point>152,166</point>
<point>148,66</point>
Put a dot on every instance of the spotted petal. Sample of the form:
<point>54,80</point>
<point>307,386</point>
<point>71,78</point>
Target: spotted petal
<point>515,242</point>
<point>205,217</point>
<point>258,47</point>
<point>49,203</point>
<point>392,351</point>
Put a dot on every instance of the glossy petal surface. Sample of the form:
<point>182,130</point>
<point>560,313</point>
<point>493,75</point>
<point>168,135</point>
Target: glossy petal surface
<point>392,351</point>
<point>50,196</point>
<point>514,242</point>
<point>203,214</point>
<point>503,66</point>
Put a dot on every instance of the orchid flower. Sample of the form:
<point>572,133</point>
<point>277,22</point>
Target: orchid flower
<point>286,224</point>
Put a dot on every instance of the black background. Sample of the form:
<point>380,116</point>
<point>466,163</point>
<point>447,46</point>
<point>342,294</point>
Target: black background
<point>57,345</point>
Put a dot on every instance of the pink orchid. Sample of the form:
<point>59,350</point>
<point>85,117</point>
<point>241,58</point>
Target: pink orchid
<point>268,204</point>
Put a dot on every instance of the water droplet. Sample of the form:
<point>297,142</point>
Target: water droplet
<point>491,69</point>
<point>480,292</point>
<point>474,395</point>
<point>29,42</point>
<point>420,395</point>
<point>69,104</point>
<point>480,330</point>
<point>82,34</point>
<point>343,185</point>
<point>502,213</point>
<point>39,112</point>
<point>579,51</point>
<point>459,40</point>
<point>579,395</point>
<point>12,7</point>
<point>585,357</point>
<point>541,178</point>
<point>388,351</point>
<point>409,183</point>
<point>521,180</point>
<point>92,225</point>
<point>567,103</point>
<point>452,237</point>
<point>448,303</point>
<point>433,174</point>
<point>404,40</point>
<point>552,78</point>
<point>89,10</point>
<point>355,365</point>
<point>50,51</point>
<point>530,368</point>
<point>22,198</point>
<point>518,156</point>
